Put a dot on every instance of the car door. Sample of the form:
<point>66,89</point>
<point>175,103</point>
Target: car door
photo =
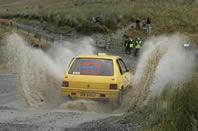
<point>124,72</point>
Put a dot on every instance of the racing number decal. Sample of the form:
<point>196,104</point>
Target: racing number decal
<point>91,68</point>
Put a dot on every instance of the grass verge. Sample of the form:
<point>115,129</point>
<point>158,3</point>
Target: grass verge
<point>3,31</point>
<point>66,16</point>
<point>176,109</point>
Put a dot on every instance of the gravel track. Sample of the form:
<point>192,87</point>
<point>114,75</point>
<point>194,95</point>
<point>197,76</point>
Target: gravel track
<point>15,115</point>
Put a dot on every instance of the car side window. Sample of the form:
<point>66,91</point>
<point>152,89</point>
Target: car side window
<point>121,72</point>
<point>122,66</point>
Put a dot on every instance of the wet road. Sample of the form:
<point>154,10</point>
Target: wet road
<point>16,116</point>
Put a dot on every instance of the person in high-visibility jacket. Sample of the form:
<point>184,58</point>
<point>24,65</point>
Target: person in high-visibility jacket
<point>138,45</point>
<point>131,45</point>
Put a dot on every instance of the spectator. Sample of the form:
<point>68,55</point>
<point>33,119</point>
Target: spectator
<point>148,24</point>
<point>93,19</point>
<point>130,46</point>
<point>96,19</point>
<point>137,23</point>
<point>138,45</point>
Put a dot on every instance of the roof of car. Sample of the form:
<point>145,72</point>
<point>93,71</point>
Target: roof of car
<point>98,56</point>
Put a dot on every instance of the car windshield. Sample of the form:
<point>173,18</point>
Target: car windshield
<point>98,67</point>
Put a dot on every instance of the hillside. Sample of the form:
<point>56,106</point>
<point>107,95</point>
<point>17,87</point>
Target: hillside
<point>65,16</point>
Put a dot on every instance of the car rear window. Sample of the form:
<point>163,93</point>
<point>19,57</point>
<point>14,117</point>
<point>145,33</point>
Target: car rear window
<point>98,67</point>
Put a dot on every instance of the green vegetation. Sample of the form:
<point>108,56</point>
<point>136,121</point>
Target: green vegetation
<point>3,31</point>
<point>66,15</point>
<point>176,109</point>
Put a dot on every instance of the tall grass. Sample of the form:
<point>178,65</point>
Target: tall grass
<point>176,109</point>
<point>167,16</point>
<point>3,31</point>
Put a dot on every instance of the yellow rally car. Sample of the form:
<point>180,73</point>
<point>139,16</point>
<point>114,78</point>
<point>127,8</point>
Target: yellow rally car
<point>99,77</point>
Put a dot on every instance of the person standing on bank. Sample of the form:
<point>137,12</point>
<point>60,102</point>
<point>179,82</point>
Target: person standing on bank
<point>138,45</point>
<point>148,24</point>
<point>137,23</point>
<point>130,46</point>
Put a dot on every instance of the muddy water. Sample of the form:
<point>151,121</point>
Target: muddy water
<point>163,59</point>
<point>41,73</point>
<point>39,77</point>
<point>61,52</point>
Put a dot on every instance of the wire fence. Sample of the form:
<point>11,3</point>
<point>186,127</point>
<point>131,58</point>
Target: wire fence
<point>41,34</point>
<point>102,41</point>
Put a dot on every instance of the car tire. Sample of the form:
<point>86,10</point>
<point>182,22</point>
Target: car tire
<point>120,97</point>
<point>67,98</point>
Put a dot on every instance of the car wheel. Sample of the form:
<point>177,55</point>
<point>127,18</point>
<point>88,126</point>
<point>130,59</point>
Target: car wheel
<point>120,97</point>
<point>67,98</point>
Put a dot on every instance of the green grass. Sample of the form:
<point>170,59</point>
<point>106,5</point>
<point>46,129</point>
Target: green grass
<point>65,16</point>
<point>176,109</point>
<point>3,31</point>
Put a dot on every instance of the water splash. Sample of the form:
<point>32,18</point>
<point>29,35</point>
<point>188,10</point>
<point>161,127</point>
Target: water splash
<point>62,52</point>
<point>163,60</point>
<point>41,74</point>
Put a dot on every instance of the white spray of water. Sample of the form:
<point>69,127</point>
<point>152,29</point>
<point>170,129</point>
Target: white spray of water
<point>41,75</point>
<point>174,67</point>
<point>38,74</point>
<point>175,64</point>
<point>163,60</point>
<point>63,52</point>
